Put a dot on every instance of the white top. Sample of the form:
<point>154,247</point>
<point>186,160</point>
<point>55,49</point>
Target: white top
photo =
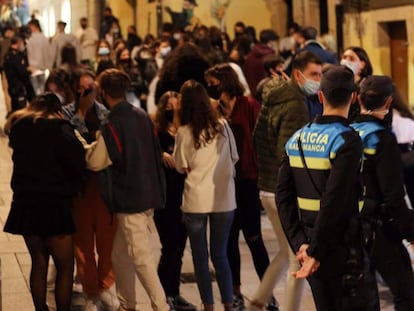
<point>88,39</point>
<point>209,185</point>
<point>402,127</point>
<point>38,52</point>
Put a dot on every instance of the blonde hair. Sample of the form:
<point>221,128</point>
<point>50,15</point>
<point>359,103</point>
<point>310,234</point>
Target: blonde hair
<point>46,106</point>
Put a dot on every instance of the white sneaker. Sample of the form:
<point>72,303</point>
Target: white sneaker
<point>90,305</point>
<point>109,299</point>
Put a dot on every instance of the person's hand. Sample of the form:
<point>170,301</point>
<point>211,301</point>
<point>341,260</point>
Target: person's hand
<point>301,254</point>
<point>86,100</point>
<point>168,160</point>
<point>309,266</point>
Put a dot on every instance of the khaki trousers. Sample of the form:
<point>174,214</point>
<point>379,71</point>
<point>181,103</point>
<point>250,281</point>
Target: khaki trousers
<point>132,255</point>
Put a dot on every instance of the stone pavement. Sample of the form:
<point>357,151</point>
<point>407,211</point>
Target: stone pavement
<point>15,260</point>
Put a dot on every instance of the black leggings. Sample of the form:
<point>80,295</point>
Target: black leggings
<point>61,250</point>
<point>247,219</point>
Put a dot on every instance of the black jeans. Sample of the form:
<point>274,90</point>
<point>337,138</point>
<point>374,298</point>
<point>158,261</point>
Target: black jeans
<point>391,259</point>
<point>173,236</point>
<point>247,218</point>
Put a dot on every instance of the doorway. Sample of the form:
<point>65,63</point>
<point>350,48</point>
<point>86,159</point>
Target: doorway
<point>399,56</point>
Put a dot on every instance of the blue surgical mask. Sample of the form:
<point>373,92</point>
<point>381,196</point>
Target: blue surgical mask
<point>103,51</point>
<point>310,87</point>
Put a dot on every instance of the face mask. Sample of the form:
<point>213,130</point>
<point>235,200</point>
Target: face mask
<point>177,36</point>
<point>61,98</point>
<point>310,87</point>
<point>387,121</point>
<point>115,30</point>
<point>21,48</point>
<point>103,51</point>
<point>169,115</point>
<point>165,50</point>
<point>354,66</point>
<point>125,61</point>
<point>214,91</point>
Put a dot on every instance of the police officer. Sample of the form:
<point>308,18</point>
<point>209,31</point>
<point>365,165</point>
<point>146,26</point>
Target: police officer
<point>384,202</point>
<point>317,194</point>
<point>18,77</point>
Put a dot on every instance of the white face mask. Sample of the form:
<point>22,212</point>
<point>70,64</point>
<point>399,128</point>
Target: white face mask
<point>310,87</point>
<point>165,50</point>
<point>354,66</point>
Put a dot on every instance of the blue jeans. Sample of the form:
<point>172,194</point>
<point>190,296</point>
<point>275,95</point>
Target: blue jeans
<point>220,224</point>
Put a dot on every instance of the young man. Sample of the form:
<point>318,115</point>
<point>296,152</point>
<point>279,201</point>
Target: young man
<point>38,48</point>
<point>384,202</point>
<point>132,187</point>
<point>88,39</point>
<point>284,111</point>
<point>95,228</point>
<point>318,190</point>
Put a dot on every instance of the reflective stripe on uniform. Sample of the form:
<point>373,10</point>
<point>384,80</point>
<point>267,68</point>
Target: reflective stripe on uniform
<point>370,151</point>
<point>314,205</point>
<point>309,204</point>
<point>311,163</point>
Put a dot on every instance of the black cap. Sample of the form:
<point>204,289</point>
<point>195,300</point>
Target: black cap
<point>380,86</point>
<point>337,78</point>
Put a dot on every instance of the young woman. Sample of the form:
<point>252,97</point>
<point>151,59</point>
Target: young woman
<point>206,152</point>
<point>172,232</point>
<point>137,86</point>
<point>242,112</point>
<point>357,60</point>
<point>48,164</point>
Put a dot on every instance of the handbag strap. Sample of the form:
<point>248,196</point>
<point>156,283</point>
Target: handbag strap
<point>302,156</point>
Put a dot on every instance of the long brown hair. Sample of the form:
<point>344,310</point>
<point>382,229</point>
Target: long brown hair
<point>160,121</point>
<point>229,81</point>
<point>46,106</point>
<point>198,113</point>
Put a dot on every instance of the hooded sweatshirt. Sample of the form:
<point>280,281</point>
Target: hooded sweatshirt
<point>253,66</point>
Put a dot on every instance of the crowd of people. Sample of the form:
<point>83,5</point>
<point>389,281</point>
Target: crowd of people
<point>200,132</point>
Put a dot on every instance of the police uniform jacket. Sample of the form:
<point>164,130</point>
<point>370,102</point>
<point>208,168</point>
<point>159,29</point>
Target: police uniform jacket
<point>318,213</point>
<point>383,176</point>
<point>18,77</point>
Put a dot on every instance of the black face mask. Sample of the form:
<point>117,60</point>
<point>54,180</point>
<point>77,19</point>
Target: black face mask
<point>214,91</point>
<point>125,61</point>
<point>169,115</point>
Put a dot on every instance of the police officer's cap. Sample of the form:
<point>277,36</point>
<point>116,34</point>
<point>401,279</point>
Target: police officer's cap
<point>380,86</point>
<point>337,79</point>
